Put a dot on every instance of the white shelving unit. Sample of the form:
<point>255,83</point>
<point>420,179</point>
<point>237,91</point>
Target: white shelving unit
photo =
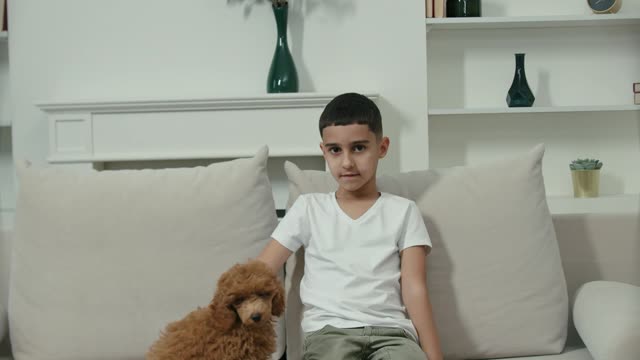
<point>531,22</point>
<point>469,70</point>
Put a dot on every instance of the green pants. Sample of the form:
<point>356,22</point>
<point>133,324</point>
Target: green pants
<point>365,343</point>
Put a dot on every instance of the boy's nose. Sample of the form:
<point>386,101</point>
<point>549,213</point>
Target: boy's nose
<point>346,162</point>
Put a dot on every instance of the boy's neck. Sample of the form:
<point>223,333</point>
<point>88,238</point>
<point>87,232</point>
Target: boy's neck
<point>368,192</point>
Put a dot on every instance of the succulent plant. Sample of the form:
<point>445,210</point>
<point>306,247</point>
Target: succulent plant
<point>585,164</point>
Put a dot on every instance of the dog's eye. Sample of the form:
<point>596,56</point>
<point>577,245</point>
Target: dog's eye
<point>264,294</point>
<point>238,301</point>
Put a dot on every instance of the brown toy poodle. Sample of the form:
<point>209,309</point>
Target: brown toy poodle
<point>237,324</point>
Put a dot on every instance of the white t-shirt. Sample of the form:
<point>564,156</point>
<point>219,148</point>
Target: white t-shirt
<point>352,267</point>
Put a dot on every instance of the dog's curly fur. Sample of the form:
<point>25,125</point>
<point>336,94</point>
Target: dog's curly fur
<point>237,324</point>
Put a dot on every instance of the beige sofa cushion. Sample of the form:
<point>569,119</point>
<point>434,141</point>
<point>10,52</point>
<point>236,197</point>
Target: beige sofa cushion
<point>574,353</point>
<point>103,260</point>
<point>495,277</point>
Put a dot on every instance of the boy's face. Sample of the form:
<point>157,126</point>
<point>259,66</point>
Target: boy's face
<point>352,153</point>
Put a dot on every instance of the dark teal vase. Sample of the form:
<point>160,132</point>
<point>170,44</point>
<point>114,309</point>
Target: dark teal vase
<point>283,77</point>
<point>520,94</point>
<point>464,8</point>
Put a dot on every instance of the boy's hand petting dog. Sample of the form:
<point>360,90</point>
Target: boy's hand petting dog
<point>236,325</point>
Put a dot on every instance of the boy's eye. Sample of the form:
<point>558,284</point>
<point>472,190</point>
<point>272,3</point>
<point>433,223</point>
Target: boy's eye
<point>359,148</point>
<point>334,150</point>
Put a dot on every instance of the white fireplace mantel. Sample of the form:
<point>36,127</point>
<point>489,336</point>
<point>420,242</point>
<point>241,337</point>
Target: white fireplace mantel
<point>130,130</point>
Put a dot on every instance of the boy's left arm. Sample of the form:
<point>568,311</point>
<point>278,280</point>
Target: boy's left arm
<point>416,298</point>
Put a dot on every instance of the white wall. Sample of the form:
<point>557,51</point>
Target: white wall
<point>120,49</point>
<point>74,49</point>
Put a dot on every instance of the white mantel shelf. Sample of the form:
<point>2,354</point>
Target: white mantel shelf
<point>172,129</point>
<point>513,22</point>
<point>267,101</point>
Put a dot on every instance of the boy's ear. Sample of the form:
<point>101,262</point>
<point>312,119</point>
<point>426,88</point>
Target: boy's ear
<point>384,147</point>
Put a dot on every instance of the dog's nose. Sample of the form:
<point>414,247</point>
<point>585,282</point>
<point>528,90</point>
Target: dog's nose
<point>256,317</point>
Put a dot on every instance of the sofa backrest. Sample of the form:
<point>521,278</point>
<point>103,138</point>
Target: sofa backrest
<point>592,246</point>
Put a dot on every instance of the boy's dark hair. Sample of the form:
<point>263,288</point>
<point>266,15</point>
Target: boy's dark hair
<point>352,108</point>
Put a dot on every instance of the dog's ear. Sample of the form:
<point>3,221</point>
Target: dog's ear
<point>277,304</point>
<point>223,312</point>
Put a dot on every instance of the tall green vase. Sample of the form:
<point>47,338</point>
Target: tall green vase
<point>520,94</point>
<point>283,77</point>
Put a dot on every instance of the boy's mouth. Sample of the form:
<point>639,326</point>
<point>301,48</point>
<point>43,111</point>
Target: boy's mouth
<point>349,176</point>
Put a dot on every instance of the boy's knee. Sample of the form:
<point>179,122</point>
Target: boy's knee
<point>332,348</point>
<point>330,344</point>
<point>404,349</point>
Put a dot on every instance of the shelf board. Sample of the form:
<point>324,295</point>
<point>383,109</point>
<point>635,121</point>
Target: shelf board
<point>511,22</point>
<point>531,110</point>
<point>620,203</point>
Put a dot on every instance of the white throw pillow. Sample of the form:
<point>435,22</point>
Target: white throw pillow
<point>495,278</point>
<point>102,261</point>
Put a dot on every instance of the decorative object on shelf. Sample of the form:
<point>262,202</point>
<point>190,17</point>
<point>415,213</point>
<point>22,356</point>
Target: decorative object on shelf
<point>605,6</point>
<point>585,174</point>
<point>464,8</point>
<point>283,77</point>
<point>636,93</point>
<point>520,94</point>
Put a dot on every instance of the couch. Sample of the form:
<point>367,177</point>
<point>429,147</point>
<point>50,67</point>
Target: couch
<point>102,260</point>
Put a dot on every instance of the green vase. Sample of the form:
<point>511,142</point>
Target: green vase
<point>463,8</point>
<point>283,77</point>
<point>520,94</point>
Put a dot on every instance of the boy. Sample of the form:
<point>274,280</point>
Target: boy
<point>364,250</point>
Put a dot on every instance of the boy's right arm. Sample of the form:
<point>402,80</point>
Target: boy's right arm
<point>274,255</point>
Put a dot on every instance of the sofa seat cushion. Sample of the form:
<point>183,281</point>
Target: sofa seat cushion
<point>575,353</point>
<point>495,277</point>
<point>102,261</point>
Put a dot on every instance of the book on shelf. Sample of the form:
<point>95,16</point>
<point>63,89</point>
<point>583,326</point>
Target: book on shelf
<point>636,88</point>
<point>636,98</point>
<point>439,8</point>
<point>429,8</point>
<point>3,15</point>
